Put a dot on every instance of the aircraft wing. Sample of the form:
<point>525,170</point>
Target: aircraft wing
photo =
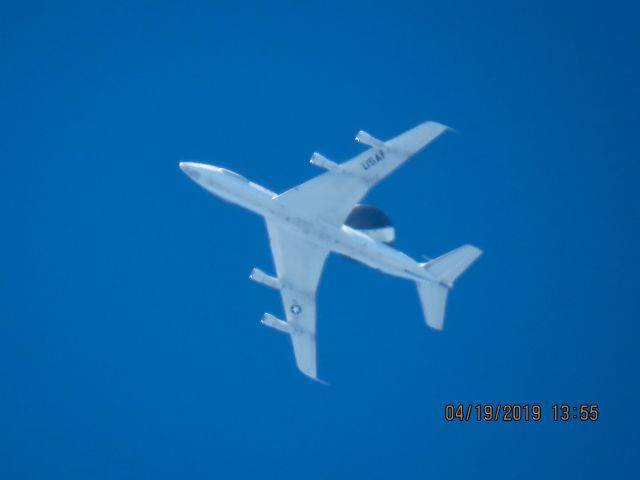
<point>298,265</point>
<point>332,195</point>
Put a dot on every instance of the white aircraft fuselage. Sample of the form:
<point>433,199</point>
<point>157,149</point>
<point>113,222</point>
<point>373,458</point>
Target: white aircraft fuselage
<point>323,215</point>
<point>236,189</point>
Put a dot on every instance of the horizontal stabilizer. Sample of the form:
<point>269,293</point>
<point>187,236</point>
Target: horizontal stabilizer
<point>450,266</point>
<point>274,322</point>
<point>433,297</point>
<point>445,270</point>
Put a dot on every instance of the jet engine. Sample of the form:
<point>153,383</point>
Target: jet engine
<point>373,222</point>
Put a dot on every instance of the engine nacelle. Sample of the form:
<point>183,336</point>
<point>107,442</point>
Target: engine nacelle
<point>321,161</point>
<point>275,323</point>
<point>259,276</point>
<point>369,140</point>
<point>372,222</point>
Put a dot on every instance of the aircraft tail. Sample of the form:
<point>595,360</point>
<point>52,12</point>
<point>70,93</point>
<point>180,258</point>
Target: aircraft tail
<point>445,270</point>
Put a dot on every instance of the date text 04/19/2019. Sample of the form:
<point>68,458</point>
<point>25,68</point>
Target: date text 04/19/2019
<point>520,412</point>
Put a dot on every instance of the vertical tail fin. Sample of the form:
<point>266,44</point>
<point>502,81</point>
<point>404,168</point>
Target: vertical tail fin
<point>445,270</point>
<point>433,297</point>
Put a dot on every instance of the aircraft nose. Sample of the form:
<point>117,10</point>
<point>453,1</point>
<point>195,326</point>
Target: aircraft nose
<point>190,169</point>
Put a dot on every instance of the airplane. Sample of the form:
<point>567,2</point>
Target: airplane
<point>308,222</point>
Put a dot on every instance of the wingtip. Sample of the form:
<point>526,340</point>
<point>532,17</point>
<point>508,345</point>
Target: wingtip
<point>321,382</point>
<point>437,328</point>
<point>476,250</point>
<point>312,376</point>
<point>445,128</point>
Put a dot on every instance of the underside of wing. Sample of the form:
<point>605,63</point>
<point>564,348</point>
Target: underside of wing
<point>299,266</point>
<point>332,195</point>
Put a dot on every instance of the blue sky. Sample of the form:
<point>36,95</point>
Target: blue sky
<point>130,344</point>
